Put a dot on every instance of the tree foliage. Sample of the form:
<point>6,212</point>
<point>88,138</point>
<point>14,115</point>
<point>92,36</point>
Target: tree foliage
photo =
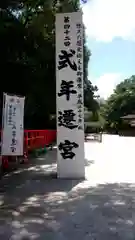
<point>120,103</point>
<point>27,59</point>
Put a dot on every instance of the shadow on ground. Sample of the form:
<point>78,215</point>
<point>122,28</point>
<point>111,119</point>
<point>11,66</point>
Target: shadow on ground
<point>36,206</point>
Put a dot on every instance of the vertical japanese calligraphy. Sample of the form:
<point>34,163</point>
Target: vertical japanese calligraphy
<point>67,38</point>
<point>69,93</point>
<point>12,132</point>
<point>79,44</point>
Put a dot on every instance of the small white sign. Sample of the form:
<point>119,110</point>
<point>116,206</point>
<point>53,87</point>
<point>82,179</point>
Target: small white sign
<point>69,91</point>
<point>12,129</point>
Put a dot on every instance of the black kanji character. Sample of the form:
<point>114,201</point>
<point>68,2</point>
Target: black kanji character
<point>66,19</point>
<point>14,141</point>
<point>79,43</point>
<point>66,26</point>
<point>79,49</point>
<point>79,55</point>
<point>79,68</point>
<point>80,120</point>
<point>67,147</point>
<point>66,119</point>
<point>79,73</point>
<point>13,149</point>
<point>10,109</point>
<point>67,43</point>
<point>79,85</point>
<point>14,111</point>
<point>67,32</point>
<point>79,95</point>
<point>9,120</point>
<point>65,60</point>
<point>13,127</point>
<point>67,38</point>
<point>14,133</point>
<point>79,61</point>
<point>79,38</point>
<point>78,25</point>
<point>79,80</point>
<point>79,99</point>
<point>66,89</point>
<point>79,110</point>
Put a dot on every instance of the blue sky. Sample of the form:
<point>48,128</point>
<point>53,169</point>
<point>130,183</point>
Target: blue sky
<point>110,29</point>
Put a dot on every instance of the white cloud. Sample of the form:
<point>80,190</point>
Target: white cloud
<point>107,83</point>
<point>107,19</point>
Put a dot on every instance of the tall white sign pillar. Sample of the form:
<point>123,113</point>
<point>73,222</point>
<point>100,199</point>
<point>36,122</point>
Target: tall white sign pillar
<point>69,93</point>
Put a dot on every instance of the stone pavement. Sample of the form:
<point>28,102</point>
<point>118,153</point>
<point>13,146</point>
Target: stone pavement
<point>36,205</point>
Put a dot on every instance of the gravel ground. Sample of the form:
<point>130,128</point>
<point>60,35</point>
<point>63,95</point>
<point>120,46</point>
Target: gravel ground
<point>34,204</point>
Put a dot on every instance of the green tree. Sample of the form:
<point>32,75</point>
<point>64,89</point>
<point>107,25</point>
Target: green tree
<point>120,103</point>
<point>27,46</point>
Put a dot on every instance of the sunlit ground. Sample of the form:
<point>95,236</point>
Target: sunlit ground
<point>34,204</point>
<point>113,160</point>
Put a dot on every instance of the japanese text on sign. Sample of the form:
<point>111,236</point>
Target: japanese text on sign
<point>69,85</point>
<point>12,134</point>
